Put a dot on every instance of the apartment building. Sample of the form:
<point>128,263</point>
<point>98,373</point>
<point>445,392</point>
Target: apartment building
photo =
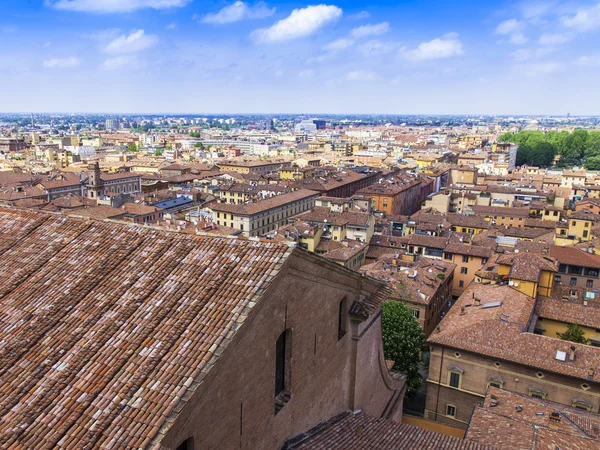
<point>264,216</point>
<point>487,340</point>
<point>468,260</point>
<point>424,286</point>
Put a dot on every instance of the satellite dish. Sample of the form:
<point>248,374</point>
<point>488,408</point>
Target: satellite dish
<point>511,283</point>
<point>516,284</point>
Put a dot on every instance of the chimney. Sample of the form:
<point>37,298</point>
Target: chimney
<point>572,353</point>
<point>462,310</point>
<point>477,302</point>
<point>591,373</point>
<point>554,421</point>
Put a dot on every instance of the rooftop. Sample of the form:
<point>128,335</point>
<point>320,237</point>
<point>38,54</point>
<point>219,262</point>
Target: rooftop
<point>107,325</point>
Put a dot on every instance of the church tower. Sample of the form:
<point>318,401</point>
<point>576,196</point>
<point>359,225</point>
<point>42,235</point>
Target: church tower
<point>94,187</point>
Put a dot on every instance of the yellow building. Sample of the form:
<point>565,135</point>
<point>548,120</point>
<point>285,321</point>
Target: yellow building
<point>527,273</point>
<point>555,315</point>
<point>296,173</point>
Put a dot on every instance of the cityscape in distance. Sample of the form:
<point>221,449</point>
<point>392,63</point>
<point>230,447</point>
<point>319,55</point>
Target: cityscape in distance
<point>291,226</point>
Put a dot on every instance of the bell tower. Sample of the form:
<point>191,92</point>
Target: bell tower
<point>94,187</point>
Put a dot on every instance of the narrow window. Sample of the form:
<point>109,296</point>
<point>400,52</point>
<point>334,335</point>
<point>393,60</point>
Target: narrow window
<point>342,318</point>
<point>280,364</point>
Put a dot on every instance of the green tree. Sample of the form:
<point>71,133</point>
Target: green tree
<point>593,163</point>
<point>506,137</point>
<point>132,147</point>
<point>592,145</point>
<point>574,333</point>
<point>194,134</point>
<point>402,341</point>
<point>158,152</point>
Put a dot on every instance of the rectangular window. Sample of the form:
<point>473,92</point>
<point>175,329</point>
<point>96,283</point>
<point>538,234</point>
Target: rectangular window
<point>461,283</point>
<point>585,233</point>
<point>573,281</point>
<point>589,283</point>
<point>557,278</point>
<point>454,379</point>
<point>591,272</point>
<point>415,313</point>
<point>465,259</point>
<point>451,410</point>
<point>463,270</point>
<point>448,256</point>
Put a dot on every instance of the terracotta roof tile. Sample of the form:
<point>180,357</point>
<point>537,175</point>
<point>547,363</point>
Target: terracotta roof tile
<point>104,327</point>
<point>360,431</point>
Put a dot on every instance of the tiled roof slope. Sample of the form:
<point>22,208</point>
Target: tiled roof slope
<point>360,431</point>
<point>105,327</point>
<point>500,332</point>
<point>528,420</point>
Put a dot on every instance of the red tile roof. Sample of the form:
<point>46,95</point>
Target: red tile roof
<point>105,327</point>
<point>360,431</point>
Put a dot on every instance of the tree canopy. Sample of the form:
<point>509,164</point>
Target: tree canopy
<point>402,341</point>
<point>539,149</point>
<point>574,333</point>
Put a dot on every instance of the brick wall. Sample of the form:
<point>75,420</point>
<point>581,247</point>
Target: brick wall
<point>234,406</point>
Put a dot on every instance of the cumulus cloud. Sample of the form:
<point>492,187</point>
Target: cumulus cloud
<point>239,11</point>
<point>512,28</point>
<point>443,47</point>
<point>136,41</point>
<point>339,44</point>
<point>114,6</point>
<point>370,30</point>
<point>62,63</point>
<point>585,19</point>
<point>554,39</point>
<point>300,23</point>
<point>118,62</point>
<point>361,75</point>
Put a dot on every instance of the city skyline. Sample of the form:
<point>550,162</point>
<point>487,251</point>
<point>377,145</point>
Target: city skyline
<point>183,56</point>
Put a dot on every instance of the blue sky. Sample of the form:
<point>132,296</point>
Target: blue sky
<point>401,57</point>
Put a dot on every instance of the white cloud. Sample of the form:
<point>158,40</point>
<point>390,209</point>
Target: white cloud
<point>339,44</point>
<point>239,11</point>
<point>62,63</point>
<point>114,6</point>
<point>375,47</point>
<point>443,47</point>
<point>554,39</point>
<point>171,26</point>
<point>370,30</point>
<point>585,19</point>
<point>508,26</point>
<point>362,75</point>
<point>118,62</point>
<point>359,15</point>
<point>300,23</point>
<point>136,41</point>
<point>514,29</point>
